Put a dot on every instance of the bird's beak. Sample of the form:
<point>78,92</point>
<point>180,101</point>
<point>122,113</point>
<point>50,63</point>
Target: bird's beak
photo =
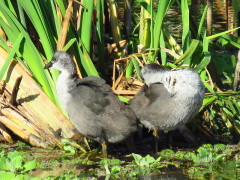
<point>48,65</point>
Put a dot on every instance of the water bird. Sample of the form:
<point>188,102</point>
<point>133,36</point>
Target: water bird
<point>91,105</point>
<point>168,99</point>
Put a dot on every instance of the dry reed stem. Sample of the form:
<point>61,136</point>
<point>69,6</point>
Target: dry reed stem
<point>2,86</point>
<point>65,24</point>
<point>2,33</point>
<point>138,60</point>
<point>118,80</point>
<point>236,81</point>
<point>172,53</point>
<point>5,134</point>
<point>114,20</point>
<point>24,134</point>
<point>124,92</point>
<point>227,92</point>
<point>81,5</point>
<point>116,47</point>
<point>63,34</point>
<point>120,60</point>
<point>13,99</point>
<point>19,119</point>
<point>138,83</point>
<point>115,83</point>
<point>144,59</point>
<point>210,78</point>
<point>38,107</point>
<point>79,17</point>
<point>78,70</point>
<point>114,75</point>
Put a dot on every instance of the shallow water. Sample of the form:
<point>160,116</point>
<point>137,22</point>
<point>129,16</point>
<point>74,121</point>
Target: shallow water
<point>173,165</point>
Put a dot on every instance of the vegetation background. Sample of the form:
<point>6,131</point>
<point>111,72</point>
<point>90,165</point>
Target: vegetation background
<point>114,39</point>
<point>113,43</point>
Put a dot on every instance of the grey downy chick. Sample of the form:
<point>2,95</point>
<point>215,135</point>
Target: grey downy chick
<point>91,105</point>
<point>169,99</point>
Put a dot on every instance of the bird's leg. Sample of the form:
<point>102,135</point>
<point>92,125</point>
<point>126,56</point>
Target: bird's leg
<point>130,143</point>
<point>188,135</point>
<point>140,131</point>
<point>156,137</point>
<point>169,139</point>
<point>104,149</point>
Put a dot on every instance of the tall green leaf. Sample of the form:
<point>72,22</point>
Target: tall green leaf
<point>188,53</point>
<point>163,7</point>
<point>202,21</point>
<point>186,28</point>
<point>86,23</point>
<point>100,37</point>
<point>10,56</point>
<point>33,59</point>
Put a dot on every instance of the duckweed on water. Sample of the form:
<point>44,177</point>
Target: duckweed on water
<point>218,161</point>
<point>14,166</point>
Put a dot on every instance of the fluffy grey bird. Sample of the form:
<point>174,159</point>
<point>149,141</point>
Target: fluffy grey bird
<point>91,105</point>
<point>169,99</point>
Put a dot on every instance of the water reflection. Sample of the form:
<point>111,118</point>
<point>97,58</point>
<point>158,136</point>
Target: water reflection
<point>170,176</point>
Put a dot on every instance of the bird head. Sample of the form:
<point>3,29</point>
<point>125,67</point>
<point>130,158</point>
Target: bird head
<point>62,61</point>
<point>152,71</point>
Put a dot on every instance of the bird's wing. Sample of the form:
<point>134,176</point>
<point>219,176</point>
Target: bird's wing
<point>98,96</point>
<point>94,82</point>
<point>100,104</point>
<point>148,95</point>
<point>139,101</point>
<point>93,92</point>
<point>157,92</point>
<point>154,105</point>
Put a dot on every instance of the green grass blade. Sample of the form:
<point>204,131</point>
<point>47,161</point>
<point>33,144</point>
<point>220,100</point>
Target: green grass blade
<point>228,40</point>
<point>100,37</point>
<point>203,78</point>
<point>10,6</point>
<point>207,55</point>
<point>33,59</point>
<point>222,33</point>
<point>123,99</point>
<point>136,67</point>
<point>187,55</point>
<point>86,61</point>
<point>200,28</point>
<point>34,12</point>
<point>10,56</point>
<point>114,20</point>
<point>148,7</point>
<point>163,7</point>
<point>205,61</point>
<point>21,14</point>
<point>207,101</point>
<point>153,15</point>
<point>185,22</point>
<point>129,70</point>
<point>86,24</point>
<point>61,4</point>
<point>145,25</point>
<point>3,44</point>
<point>172,42</point>
<point>163,53</point>
<point>69,44</point>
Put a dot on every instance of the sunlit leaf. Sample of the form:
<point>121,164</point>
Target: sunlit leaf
<point>29,165</point>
